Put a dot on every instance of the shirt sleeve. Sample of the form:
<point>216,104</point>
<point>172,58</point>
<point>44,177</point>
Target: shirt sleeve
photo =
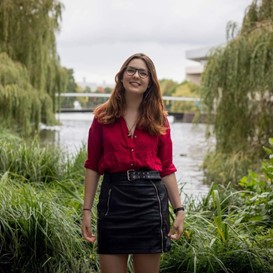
<point>165,153</point>
<point>94,146</point>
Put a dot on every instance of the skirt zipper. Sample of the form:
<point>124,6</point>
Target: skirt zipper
<point>108,202</point>
<point>161,217</point>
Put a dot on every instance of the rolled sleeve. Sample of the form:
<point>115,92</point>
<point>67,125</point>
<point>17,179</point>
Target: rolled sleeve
<point>94,146</point>
<point>165,153</point>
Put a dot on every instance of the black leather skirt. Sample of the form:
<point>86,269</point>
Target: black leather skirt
<point>133,216</point>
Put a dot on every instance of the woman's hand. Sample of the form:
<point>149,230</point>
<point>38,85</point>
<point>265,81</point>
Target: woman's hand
<point>178,226</point>
<point>86,227</point>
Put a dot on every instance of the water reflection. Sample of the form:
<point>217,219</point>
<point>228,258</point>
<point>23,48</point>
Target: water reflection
<point>189,146</point>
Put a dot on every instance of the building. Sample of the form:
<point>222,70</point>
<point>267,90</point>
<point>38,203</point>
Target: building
<point>200,57</point>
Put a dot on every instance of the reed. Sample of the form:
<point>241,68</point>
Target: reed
<point>38,234</point>
<point>215,240</point>
<point>224,168</point>
<point>39,221</point>
<point>32,162</point>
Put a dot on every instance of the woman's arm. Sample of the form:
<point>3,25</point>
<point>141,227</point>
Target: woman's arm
<point>90,188</point>
<point>174,196</point>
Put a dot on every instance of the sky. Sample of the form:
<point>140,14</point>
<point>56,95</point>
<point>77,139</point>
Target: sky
<point>97,36</point>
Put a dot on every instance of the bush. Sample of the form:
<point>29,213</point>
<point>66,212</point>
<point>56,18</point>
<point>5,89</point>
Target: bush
<point>229,230</point>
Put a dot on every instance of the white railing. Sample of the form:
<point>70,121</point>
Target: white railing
<point>105,95</point>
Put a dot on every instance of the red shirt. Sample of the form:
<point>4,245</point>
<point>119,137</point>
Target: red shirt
<point>110,149</point>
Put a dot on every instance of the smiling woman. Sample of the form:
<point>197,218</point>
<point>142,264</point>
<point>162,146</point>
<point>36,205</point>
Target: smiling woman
<point>130,145</point>
<point>136,80</point>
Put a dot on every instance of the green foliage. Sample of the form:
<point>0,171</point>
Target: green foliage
<point>39,219</point>
<point>215,241</point>
<point>30,72</point>
<point>72,85</point>
<point>223,168</point>
<point>186,89</point>
<point>30,161</point>
<point>246,102</point>
<point>237,86</point>
<point>37,233</point>
<point>167,87</point>
<point>229,230</point>
<point>40,215</point>
<point>257,13</point>
<point>27,35</point>
<point>259,192</point>
<point>21,106</point>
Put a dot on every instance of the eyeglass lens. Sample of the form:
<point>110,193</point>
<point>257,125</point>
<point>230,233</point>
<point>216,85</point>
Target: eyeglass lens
<point>141,72</point>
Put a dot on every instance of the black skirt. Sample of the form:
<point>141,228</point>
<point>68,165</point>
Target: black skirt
<point>133,217</point>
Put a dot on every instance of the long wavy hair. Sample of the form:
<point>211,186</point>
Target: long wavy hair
<point>152,117</point>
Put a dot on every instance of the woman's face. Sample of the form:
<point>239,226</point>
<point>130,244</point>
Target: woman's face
<point>136,77</point>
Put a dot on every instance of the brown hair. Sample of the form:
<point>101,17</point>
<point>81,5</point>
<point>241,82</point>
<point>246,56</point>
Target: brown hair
<point>152,116</point>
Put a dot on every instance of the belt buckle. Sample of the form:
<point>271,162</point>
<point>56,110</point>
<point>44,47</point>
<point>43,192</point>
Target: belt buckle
<point>128,174</point>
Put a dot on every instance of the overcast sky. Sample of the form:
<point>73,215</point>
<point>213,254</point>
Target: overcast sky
<point>97,36</point>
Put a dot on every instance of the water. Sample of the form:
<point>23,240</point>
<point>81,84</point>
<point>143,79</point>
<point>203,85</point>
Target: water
<point>189,146</point>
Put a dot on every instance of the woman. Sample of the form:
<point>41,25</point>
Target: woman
<point>130,145</point>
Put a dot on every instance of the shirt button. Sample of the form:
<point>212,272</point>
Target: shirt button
<point>135,136</point>
<point>132,164</point>
<point>132,150</point>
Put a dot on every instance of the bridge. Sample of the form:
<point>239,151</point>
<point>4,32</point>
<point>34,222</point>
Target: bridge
<point>106,95</point>
<point>76,106</point>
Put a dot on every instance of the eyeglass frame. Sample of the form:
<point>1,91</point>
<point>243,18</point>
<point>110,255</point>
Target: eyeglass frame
<point>138,70</point>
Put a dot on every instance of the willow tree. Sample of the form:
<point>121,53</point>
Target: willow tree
<point>20,103</point>
<point>237,85</point>
<point>27,35</point>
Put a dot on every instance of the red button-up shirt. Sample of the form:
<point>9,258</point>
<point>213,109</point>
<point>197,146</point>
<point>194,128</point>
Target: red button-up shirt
<point>110,149</point>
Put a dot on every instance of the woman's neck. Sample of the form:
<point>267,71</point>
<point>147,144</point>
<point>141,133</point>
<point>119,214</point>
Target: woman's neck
<point>133,103</point>
<point>131,115</point>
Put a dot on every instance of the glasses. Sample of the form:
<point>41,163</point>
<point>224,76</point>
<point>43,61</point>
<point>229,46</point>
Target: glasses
<point>141,72</point>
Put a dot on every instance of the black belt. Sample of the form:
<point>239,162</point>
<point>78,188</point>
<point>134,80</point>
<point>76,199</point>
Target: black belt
<point>131,175</point>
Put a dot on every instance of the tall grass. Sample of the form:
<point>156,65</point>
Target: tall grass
<point>37,233</point>
<point>224,168</point>
<point>39,221</point>
<point>30,161</point>
<point>41,195</point>
<point>215,240</point>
